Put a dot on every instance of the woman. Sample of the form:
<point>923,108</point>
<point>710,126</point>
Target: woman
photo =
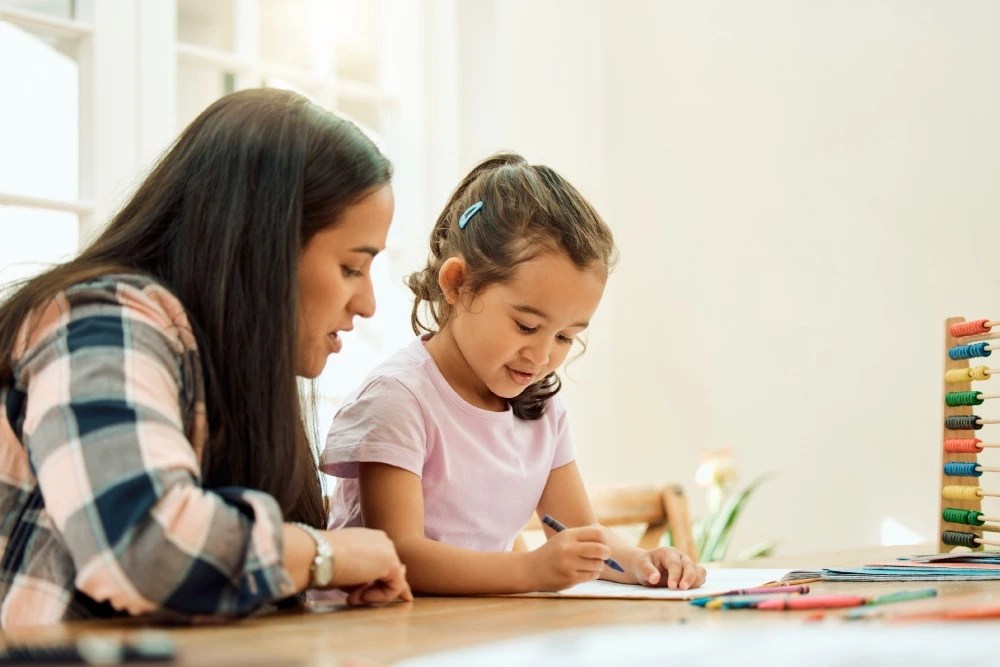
<point>153,449</point>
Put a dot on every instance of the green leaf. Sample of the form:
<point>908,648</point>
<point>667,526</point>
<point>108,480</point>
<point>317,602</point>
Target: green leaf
<point>718,539</point>
<point>707,527</point>
<point>701,533</point>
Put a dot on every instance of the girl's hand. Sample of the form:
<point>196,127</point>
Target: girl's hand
<point>568,558</point>
<point>667,567</point>
<point>367,566</point>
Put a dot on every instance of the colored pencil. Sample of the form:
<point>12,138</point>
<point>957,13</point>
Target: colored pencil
<point>836,601</point>
<point>554,524</point>
<point>831,601</point>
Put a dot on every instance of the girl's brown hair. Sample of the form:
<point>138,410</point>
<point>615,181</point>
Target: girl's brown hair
<point>221,221</point>
<point>528,210</point>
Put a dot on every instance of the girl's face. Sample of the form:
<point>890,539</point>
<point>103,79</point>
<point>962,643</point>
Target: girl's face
<point>514,334</point>
<point>334,278</point>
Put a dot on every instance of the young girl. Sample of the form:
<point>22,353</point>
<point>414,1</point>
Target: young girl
<point>451,444</point>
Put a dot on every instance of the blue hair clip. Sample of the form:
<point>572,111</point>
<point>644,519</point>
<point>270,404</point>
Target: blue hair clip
<point>469,212</point>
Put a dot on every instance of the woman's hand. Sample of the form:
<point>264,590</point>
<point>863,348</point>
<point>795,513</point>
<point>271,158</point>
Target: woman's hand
<point>571,557</point>
<point>367,566</point>
<point>667,567</point>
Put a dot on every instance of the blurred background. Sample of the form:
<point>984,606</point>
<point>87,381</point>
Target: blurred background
<point>802,192</point>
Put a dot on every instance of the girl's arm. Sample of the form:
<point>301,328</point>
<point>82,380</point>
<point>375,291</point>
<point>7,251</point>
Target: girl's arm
<point>392,500</point>
<point>565,498</point>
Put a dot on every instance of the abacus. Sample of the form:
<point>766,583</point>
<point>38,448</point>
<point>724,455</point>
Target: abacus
<point>962,521</point>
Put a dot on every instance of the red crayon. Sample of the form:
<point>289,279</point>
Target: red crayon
<point>813,602</point>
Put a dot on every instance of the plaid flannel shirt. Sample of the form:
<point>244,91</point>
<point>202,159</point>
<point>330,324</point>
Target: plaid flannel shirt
<point>102,511</point>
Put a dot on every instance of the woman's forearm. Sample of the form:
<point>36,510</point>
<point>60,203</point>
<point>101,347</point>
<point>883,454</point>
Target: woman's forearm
<point>298,551</point>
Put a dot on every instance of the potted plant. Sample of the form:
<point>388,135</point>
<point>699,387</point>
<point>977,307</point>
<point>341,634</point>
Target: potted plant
<point>725,502</point>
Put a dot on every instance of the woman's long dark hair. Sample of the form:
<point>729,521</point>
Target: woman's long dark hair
<point>220,221</point>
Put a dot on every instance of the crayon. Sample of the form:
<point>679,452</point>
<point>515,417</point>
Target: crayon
<point>554,524</point>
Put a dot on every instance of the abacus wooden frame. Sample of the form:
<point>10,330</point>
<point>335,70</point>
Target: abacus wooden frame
<point>946,433</point>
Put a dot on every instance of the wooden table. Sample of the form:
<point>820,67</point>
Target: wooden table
<point>384,635</point>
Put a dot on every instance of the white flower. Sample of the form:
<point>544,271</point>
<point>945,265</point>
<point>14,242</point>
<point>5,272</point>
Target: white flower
<point>716,470</point>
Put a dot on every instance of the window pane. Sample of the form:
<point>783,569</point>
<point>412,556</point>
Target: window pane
<point>356,35</point>
<point>198,85</point>
<point>287,28</point>
<point>322,37</point>
<point>206,23</point>
<point>33,240</point>
<point>39,124</point>
<point>364,114</point>
<point>63,9</point>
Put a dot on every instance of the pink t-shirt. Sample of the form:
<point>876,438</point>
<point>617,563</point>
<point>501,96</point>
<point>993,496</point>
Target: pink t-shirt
<point>482,472</point>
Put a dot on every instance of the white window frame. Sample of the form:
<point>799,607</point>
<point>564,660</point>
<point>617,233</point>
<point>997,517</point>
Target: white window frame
<point>128,57</point>
<point>82,33</point>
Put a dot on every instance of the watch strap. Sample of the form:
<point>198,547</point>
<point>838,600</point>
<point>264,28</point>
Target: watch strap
<point>324,554</point>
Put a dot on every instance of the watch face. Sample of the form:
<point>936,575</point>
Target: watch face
<point>322,571</point>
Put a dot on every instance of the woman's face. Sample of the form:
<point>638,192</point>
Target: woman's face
<point>334,278</point>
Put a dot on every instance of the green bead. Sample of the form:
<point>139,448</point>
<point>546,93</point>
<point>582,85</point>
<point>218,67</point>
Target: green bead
<point>955,398</point>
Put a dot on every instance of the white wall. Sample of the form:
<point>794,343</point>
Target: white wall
<point>802,192</point>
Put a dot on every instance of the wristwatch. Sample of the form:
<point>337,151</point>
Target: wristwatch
<point>321,569</point>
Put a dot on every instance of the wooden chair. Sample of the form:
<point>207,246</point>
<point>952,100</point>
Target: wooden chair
<point>657,508</point>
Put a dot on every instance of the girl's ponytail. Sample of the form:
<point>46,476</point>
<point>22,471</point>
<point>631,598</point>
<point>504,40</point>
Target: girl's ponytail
<point>424,283</point>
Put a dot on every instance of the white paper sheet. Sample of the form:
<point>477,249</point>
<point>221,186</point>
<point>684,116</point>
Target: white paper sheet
<point>719,580</point>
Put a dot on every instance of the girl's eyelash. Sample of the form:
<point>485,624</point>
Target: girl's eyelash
<point>525,329</point>
<point>351,273</point>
